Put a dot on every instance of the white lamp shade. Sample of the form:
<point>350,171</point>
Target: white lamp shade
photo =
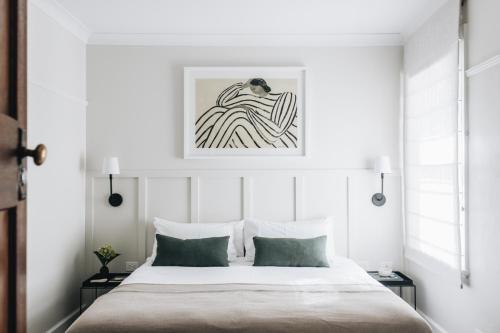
<point>382,164</point>
<point>110,166</point>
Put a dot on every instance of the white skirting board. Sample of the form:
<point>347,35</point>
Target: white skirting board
<point>63,324</point>
<point>436,328</point>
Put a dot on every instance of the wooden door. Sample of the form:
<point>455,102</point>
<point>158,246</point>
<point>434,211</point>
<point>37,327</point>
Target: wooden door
<point>13,165</point>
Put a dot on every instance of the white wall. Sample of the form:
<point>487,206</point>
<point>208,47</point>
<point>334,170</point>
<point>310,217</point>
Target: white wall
<point>475,308</point>
<point>56,192</point>
<point>135,112</point>
<point>135,99</point>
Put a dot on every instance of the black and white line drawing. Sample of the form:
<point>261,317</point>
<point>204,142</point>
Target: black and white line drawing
<point>249,115</point>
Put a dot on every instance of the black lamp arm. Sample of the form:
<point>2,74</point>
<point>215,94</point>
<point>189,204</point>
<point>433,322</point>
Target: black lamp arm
<point>110,184</point>
<point>114,199</point>
<point>382,178</point>
<point>378,199</point>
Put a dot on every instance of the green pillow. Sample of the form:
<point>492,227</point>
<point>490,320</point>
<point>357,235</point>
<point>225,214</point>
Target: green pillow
<point>203,252</point>
<point>290,252</point>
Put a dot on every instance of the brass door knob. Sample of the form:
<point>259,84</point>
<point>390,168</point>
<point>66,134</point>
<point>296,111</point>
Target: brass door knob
<point>39,154</point>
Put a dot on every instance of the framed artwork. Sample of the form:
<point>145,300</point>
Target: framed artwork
<point>244,111</point>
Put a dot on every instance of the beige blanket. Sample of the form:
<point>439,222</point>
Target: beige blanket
<point>250,308</point>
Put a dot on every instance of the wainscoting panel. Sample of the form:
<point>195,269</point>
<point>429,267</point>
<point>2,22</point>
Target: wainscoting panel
<point>166,197</point>
<point>115,225</point>
<point>362,231</point>
<point>326,195</point>
<point>272,197</point>
<point>220,199</point>
<point>375,232</point>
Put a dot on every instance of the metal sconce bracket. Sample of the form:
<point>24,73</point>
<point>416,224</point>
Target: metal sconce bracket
<point>378,199</point>
<point>114,199</point>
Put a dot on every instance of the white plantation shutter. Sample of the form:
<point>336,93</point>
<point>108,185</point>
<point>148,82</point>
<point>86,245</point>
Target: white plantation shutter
<point>432,125</point>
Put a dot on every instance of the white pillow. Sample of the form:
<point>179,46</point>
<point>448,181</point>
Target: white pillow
<point>239,242</point>
<point>201,230</point>
<point>293,229</point>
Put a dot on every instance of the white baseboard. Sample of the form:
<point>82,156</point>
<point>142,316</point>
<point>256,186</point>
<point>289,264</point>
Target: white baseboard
<point>64,323</point>
<point>436,328</point>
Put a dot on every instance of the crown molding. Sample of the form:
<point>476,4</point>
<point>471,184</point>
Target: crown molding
<point>491,62</point>
<point>313,40</point>
<point>63,17</point>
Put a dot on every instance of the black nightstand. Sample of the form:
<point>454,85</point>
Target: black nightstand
<point>398,279</point>
<point>114,280</point>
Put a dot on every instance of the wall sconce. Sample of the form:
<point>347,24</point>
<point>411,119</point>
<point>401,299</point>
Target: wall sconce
<point>111,167</point>
<point>382,165</point>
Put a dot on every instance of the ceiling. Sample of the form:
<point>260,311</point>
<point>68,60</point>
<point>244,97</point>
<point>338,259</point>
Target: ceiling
<point>257,21</point>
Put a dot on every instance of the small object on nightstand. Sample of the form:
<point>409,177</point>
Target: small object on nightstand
<point>105,254</point>
<point>385,268</point>
<point>117,279</point>
<point>396,279</point>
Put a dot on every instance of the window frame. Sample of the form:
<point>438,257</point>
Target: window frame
<point>463,151</point>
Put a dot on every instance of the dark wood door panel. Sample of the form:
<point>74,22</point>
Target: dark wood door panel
<point>4,57</point>
<point>19,292</point>
<point>8,161</point>
<point>4,269</point>
<point>12,210</point>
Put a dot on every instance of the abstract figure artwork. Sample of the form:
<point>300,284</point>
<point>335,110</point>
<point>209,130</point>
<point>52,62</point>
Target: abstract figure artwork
<point>260,114</point>
<point>257,119</point>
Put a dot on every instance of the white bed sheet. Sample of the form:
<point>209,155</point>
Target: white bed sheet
<point>341,271</point>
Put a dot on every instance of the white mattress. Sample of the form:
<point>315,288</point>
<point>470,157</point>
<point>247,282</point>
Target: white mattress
<point>341,271</point>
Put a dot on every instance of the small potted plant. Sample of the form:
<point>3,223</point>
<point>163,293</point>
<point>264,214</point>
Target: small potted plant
<point>105,254</point>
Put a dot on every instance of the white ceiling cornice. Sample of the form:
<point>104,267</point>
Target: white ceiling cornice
<point>62,16</point>
<point>313,23</point>
<point>313,40</point>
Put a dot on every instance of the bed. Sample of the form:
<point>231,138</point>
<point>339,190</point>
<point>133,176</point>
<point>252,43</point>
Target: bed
<point>243,298</point>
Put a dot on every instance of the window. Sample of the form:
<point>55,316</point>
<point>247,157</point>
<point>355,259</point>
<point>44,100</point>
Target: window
<point>434,143</point>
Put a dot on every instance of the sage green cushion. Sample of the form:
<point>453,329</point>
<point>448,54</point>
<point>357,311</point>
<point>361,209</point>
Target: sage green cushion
<point>290,252</point>
<point>203,252</point>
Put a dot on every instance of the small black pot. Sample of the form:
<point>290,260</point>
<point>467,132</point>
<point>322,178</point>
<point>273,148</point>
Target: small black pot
<point>104,272</point>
